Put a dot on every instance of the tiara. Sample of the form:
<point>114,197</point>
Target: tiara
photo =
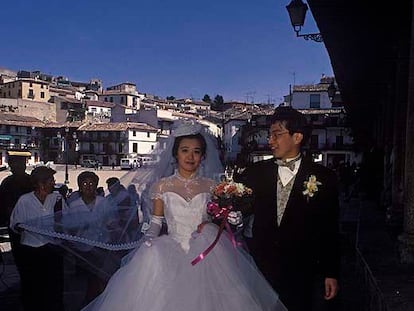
<point>187,127</point>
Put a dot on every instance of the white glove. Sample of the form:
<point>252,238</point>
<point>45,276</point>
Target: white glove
<point>153,230</point>
<point>235,218</point>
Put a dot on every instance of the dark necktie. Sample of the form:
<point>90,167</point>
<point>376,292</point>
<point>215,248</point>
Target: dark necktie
<point>290,164</point>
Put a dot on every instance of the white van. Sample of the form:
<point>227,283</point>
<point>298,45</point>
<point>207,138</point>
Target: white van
<point>130,163</point>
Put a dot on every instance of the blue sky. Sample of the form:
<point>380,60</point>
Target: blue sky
<point>240,49</point>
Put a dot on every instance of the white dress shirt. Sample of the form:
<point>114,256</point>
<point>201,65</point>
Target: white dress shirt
<point>285,174</point>
<point>27,208</point>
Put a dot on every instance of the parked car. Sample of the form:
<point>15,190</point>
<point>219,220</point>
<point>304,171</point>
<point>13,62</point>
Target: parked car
<point>89,163</point>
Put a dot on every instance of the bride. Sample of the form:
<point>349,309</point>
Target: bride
<point>159,275</point>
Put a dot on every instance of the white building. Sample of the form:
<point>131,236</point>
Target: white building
<point>331,141</point>
<point>109,142</point>
<point>19,133</point>
<point>98,111</point>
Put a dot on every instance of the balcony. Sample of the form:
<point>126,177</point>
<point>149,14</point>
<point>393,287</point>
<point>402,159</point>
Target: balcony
<point>11,146</point>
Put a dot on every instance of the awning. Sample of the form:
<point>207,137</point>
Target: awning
<point>19,153</point>
<point>6,137</point>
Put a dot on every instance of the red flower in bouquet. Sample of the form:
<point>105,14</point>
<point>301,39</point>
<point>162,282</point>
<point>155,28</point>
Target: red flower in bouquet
<point>230,190</point>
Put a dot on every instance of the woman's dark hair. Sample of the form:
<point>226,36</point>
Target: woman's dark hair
<point>293,120</point>
<point>198,136</point>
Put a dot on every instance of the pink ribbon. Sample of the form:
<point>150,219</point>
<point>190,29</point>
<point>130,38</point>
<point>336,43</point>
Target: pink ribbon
<point>218,213</point>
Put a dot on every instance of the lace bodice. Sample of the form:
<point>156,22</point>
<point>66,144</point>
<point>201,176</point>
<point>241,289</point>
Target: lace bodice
<point>185,204</point>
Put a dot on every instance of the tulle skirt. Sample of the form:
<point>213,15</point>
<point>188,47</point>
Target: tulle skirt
<point>161,277</point>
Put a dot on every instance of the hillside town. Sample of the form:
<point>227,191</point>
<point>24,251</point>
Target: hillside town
<point>57,120</point>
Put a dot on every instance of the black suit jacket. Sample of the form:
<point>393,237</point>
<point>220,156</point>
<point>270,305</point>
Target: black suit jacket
<point>307,240</point>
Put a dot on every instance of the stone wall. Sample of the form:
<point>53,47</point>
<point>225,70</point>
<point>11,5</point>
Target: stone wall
<point>39,110</point>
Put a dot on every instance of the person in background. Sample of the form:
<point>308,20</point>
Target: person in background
<point>91,208</point>
<point>120,198</point>
<point>135,200</point>
<point>100,191</point>
<point>11,189</point>
<point>39,264</point>
<point>118,195</point>
<point>13,186</point>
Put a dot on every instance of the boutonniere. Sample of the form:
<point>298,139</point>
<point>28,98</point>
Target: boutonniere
<point>311,186</point>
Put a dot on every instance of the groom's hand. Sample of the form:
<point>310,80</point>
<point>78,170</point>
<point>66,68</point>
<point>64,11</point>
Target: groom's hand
<point>331,288</point>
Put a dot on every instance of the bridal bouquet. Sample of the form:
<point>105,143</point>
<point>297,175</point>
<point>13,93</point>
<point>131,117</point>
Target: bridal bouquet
<point>227,197</point>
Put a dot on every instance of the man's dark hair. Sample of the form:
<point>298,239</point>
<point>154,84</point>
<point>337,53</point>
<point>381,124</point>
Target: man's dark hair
<point>198,136</point>
<point>112,181</point>
<point>87,175</point>
<point>293,120</point>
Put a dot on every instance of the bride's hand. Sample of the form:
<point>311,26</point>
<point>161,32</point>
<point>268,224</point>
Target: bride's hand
<point>201,226</point>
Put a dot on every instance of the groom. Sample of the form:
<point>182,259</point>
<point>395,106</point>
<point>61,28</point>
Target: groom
<point>295,229</point>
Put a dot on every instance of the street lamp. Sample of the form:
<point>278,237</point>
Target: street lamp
<point>76,141</point>
<point>297,13</point>
<point>64,148</point>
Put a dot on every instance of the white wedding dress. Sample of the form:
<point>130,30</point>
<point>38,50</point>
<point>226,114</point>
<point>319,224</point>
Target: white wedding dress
<point>161,277</point>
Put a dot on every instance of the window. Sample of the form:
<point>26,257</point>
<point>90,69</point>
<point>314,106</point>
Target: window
<point>134,133</point>
<point>31,93</point>
<point>42,94</point>
<point>31,84</point>
<point>339,141</point>
<point>120,148</point>
<point>122,100</point>
<point>41,86</point>
<point>315,100</point>
<point>135,147</point>
<point>148,134</point>
<point>106,99</point>
<point>111,99</point>
<point>19,93</point>
<point>17,141</point>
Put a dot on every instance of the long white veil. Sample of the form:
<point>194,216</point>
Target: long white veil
<point>102,241</point>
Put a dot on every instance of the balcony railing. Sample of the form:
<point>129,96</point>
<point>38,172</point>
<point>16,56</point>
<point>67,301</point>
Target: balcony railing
<point>11,146</point>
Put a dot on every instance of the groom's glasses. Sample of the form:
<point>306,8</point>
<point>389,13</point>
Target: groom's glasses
<point>276,135</point>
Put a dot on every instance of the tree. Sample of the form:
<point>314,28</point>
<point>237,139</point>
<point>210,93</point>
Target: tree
<point>206,99</point>
<point>170,97</point>
<point>218,103</point>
